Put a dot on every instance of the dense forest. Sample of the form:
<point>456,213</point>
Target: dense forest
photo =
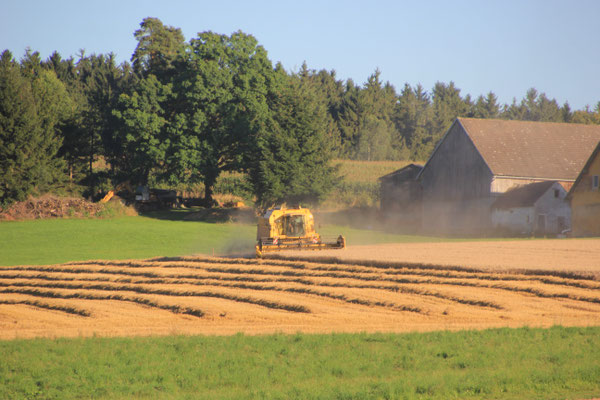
<point>185,112</point>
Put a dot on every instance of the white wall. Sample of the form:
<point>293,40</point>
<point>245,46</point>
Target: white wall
<point>518,220</point>
<point>554,207</point>
<point>524,220</point>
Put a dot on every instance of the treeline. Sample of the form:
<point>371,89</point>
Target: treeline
<point>184,112</point>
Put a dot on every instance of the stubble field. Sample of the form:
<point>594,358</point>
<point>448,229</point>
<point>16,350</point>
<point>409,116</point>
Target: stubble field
<point>579,256</point>
<point>205,295</point>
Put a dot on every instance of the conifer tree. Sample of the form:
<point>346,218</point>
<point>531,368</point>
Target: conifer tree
<point>413,118</point>
<point>486,107</point>
<point>28,141</point>
<point>292,155</point>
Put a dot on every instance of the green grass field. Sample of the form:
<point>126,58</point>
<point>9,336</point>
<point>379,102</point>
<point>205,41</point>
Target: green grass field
<point>60,240</point>
<point>55,241</point>
<point>556,363</point>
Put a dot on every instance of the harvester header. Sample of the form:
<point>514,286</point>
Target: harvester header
<point>282,228</point>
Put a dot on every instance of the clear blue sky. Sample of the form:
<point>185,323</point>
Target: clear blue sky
<point>505,46</point>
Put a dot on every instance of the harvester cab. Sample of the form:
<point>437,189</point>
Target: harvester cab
<point>284,228</point>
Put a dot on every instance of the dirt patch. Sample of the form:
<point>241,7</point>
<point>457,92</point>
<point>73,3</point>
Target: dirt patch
<point>202,295</point>
<point>50,206</point>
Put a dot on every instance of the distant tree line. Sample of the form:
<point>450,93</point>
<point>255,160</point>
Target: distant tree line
<point>184,112</point>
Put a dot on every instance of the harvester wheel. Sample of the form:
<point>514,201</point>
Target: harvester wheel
<point>258,252</point>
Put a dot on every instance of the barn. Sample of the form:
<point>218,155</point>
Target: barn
<point>478,160</point>
<point>400,197</point>
<point>585,198</point>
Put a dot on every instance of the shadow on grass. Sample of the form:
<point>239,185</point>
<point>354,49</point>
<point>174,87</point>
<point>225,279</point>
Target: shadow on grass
<point>199,214</point>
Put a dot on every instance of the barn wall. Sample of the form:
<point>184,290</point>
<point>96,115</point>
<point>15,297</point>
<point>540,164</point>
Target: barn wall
<point>456,186</point>
<point>552,208</point>
<point>586,216</point>
<point>519,220</point>
<point>396,197</point>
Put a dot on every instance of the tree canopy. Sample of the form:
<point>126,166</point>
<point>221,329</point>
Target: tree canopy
<point>183,112</point>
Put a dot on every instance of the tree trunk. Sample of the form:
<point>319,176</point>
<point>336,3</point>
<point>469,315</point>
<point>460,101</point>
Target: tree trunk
<point>91,166</point>
<point>209,183</point>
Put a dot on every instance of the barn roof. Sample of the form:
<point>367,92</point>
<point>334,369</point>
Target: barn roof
<point>584,170</point>
<point>409,172</point>
<point>522,196</point>
<point>543,150</point>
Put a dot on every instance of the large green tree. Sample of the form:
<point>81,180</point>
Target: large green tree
<point>330,90</point>
<point>291,161</point>
<point>141,131</point>
<point>220,107</point>
<point>158,50</point>
<point>32,103</point>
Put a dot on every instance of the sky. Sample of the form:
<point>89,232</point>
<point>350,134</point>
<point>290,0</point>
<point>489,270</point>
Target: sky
<point>503,46</point>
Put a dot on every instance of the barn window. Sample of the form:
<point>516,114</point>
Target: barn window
<point>556,193</point>
<point>595,182</point>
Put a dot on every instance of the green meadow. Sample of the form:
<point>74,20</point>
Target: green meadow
<point>54,241</point>
<point>60,240</point>
<point>556,363</point>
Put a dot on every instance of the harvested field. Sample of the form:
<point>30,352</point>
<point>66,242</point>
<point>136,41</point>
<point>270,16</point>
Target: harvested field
<point>560,255</point>
<point>202,295</point>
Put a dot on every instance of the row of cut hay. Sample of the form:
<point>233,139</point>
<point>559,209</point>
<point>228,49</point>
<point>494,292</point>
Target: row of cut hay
<point>549,277</point>
<point>396,264</point>
<point>298,272</point>
<point>334,264</point>
<point>351,271</point>
<point>47,306</point>
<point>212,281</point>
<point>237,273</point>
<point>193,279</point>
<point>162,292</point>
<point>396,288</point>
<point>35,292</point>
<point>462,280</point>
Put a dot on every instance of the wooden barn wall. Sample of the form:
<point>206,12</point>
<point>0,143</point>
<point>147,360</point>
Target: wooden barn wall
<point>456,187</point>
<point>456,171</point>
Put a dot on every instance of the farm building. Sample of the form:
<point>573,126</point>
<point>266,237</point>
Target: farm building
<point>400,195</point>
<point>585,198</point>
<point>400,189</point>
<point>478,160</point>
<point>536,208</point>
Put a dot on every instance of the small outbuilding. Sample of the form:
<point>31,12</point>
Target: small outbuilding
<point>400,189</point>
<point>534,209</point>
<point>584,197</point>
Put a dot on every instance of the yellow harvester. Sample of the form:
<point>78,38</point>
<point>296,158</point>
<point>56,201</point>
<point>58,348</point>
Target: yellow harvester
<point>284,228</point>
